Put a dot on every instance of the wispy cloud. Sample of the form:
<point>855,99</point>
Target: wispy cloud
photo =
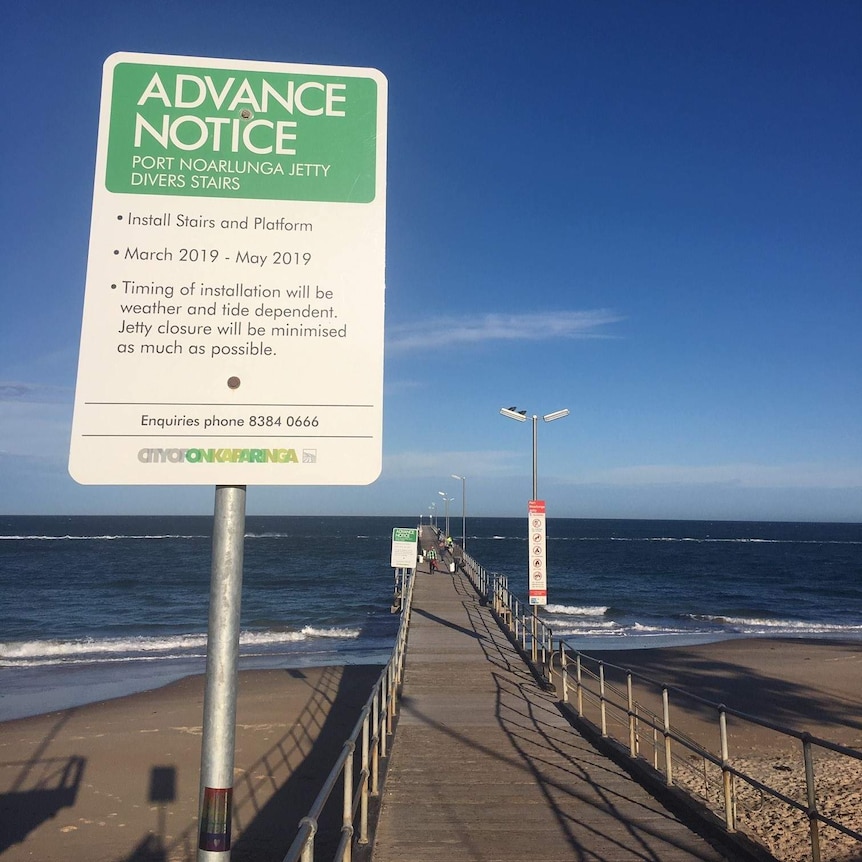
<point>33,393</point>
<point>734,475</point>
<point>463,329</point>
<point>437,464</point>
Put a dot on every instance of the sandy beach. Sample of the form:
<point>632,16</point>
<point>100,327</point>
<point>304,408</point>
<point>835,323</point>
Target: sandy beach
<point>117,781</point>
<point>812,686</point>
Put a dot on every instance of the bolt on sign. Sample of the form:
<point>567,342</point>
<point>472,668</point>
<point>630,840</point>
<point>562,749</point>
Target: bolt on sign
<point>538,586</point>
<point>233,313</point>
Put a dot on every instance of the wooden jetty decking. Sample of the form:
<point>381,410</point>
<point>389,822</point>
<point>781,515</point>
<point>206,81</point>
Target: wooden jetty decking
<point>485,767</point>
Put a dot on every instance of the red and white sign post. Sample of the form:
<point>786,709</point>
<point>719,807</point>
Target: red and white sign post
<point>538,587</point>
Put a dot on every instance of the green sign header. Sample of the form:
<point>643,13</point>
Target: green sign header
<point>403,534</point>
<point>223,133</point>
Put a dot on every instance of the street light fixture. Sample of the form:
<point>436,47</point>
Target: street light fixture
<point>557,414</point>
<point>447,500</point>
<point>514,413</point>
<point>463,481</point>
<point>521,416</point>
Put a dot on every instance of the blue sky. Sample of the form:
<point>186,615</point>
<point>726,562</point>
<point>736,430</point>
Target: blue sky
<point>647,212</point>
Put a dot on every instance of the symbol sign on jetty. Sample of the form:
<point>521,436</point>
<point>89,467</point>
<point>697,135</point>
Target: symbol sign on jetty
<point>538,587</point>
<point>233,313</point>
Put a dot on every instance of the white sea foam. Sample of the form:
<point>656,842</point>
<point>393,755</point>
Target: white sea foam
<point>91,538</point>
<point>93,646</point>
<point>38,653</point>
<point>571,627</point>
<point>313,632</point>
<point>585,631</point>
<point>754,625</point>
<point>708,540</point>
<point>576,610</point>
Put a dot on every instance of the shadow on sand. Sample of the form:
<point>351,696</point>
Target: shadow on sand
<point>42,786</point>
<point>779,699</point>
<point>273,793</point>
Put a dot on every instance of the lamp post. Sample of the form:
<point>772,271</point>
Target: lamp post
<point>463,481</point>
<point>521,416</point>
<point>447,500</point>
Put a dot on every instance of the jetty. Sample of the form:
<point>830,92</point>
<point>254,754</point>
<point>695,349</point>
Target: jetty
<point>485,766</point>
<point>487,739</point>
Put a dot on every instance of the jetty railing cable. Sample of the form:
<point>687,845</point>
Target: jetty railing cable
<point>636,712</point>
<point>358,769</point>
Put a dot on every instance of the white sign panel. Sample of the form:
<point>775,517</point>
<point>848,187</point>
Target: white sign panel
<point>405,548</point>
<point>233,313</point>
<point>538,586</point>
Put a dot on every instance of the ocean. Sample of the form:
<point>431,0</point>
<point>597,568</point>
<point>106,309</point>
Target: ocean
<point>96,607</point>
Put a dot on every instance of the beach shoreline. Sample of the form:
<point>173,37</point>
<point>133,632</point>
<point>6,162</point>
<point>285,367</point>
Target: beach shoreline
<point>104,781</point>
<point>28,692</point>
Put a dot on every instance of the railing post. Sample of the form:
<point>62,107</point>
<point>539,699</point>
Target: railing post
<point>579,688</point>
<point>811,798</point>
<point>534,655</point>
<point>366,778</point>
<point>668,763</point>
<point>602,706</point>
<point>383,720</point>
<point>544,641</point>
<point>390,700</point>
<point>375,760</point>
<point>564,681</point>
<point>347,810</point>
<point>726,774</point>
<point>631,710</point>
<point>308,846</point>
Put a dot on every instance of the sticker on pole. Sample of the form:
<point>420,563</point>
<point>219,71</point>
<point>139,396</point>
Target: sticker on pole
<point>232,327</point>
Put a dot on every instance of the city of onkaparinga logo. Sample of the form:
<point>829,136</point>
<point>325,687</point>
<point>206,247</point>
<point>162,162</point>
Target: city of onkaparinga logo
<point>194,455</point>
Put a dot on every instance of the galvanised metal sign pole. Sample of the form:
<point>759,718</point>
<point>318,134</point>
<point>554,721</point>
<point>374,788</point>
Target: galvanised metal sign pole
<point>232,327</point>
<point>219,718</point>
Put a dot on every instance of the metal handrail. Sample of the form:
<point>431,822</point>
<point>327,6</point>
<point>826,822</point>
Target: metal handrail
<point>661,725</point>
<point>371,732</point>
<point>630,714</point>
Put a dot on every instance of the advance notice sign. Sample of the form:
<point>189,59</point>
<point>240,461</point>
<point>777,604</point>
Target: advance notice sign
<point>538,586</point>
<point>233,313</point>
<point>405,548</point>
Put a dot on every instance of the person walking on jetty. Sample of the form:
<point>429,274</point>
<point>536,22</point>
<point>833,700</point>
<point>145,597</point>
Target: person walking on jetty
<point>431,556</point>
